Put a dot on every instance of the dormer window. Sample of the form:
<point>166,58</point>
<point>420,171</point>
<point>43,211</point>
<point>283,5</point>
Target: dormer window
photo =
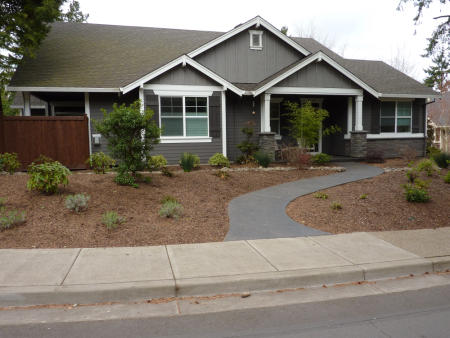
<point>256,40</point>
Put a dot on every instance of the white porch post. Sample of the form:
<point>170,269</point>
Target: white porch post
<point>349,115</point>
<point>142,106</point>
<point>26,104</point>
<point>224,123</point>
<point>87,111</point>
<point>358,113</point>
<point>265,113</point>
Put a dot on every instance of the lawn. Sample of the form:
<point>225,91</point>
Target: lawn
<point>375,204</point>
<point>203,195</point>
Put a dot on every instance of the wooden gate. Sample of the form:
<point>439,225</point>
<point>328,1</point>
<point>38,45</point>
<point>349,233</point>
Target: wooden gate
<point>62,138</point>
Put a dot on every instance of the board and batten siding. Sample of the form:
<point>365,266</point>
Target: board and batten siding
<point>236,62</point>
<point>173,151</point>
<point>183,76</point>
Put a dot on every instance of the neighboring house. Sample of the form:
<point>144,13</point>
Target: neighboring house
<point>439,115</point>
<point>205,86</point>
<point>37,107</point>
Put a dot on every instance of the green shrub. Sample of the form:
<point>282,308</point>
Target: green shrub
<point>442,160</point>
<point>421,183</point>
<point>189,161</point>
<point>336,206</point>
<point>219,160</point>
<point>125,178</point>
<point>363,197</point>
<point>247,147</point>
<point>416,194</point>
<point>168,198</point>
<point>412,175</point>
<point>46,177</point>
<point>321,195</point>
<point>426,166</point>
<point>171,209</point>
<point>156,162</point>
<point>43,159</point>
<point>431,151</point>
<point>263,159</point>
<point>166,172</point>
<point>9,219</point>
<point>100,162</point>
<point>447,178</point>
<point>111,219</point>
<point>321,158</point>
<point>9,162</point>
<point>2,201</point>
<point>77,202</point>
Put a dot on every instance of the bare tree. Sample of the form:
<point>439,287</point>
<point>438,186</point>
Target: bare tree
<point>399,61</point>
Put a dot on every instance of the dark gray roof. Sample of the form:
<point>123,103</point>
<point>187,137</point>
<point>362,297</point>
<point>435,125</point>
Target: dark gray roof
<point>108,56</point>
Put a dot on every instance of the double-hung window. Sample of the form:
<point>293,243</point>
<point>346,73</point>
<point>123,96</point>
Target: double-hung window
<point>184,116</point>
<point>396,117</point>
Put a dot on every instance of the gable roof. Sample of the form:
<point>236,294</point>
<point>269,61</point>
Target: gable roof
<point>93,57</point>
<point>439,110</point>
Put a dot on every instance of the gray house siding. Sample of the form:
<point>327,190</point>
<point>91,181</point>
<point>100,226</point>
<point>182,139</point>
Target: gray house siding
<point>317,74</point>
<point>99,101</point>
<point>173,151</point>
<point>236,62</point>
<point>184,76</point>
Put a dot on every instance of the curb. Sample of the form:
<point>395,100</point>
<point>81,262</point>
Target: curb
<point>120,292</point>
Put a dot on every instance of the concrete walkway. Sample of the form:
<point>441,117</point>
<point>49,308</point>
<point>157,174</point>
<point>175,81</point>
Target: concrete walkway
<point>262,214</point>
<point>77,276</point>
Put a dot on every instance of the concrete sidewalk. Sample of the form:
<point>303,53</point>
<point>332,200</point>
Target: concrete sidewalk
<point>68,276</point>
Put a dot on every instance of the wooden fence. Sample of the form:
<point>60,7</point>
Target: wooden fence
<point>62,138</point>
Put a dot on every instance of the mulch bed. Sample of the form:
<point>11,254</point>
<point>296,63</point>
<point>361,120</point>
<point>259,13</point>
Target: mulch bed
<point>204,197</point>
<point>385,207</point>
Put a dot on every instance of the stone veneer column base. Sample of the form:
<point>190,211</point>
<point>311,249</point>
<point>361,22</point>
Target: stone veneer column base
<point>358,144</point>
<point>268,144</point>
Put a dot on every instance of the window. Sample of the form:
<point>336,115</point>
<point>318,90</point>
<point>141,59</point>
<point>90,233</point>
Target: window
<point>184,116</point>
<point>275,117</point>
<point>256,40</point>
<point>395,117</point>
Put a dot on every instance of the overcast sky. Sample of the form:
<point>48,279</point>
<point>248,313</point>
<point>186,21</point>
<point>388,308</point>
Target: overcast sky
<point>362,29</point>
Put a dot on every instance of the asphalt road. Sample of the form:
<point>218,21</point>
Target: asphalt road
<point>423,313</point>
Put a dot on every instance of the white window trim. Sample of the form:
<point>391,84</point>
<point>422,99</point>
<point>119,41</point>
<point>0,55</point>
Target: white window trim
<point>397,117</point>
<point>390,136</point>
<point>184,138</point>
<point>259,33</point>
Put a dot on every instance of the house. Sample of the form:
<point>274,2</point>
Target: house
<point>205,86</point>
<point>438,113</point>
<point>37,107</point>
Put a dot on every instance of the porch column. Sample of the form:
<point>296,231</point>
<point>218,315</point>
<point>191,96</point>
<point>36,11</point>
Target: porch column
<point>349,115</point>
<point>358,113</point>
<point>224,123</point>
<point>26,104</point>
<point>87,111</point>
<point>265,113</point>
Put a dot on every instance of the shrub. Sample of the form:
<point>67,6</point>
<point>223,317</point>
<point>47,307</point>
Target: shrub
<point>442,160</point>
<point>111,219</point>
<point>321,195</point>
<point>100,162</point>
<point>336,206</point>
<point>219,160</point>
<point>156,162</point>
<point>296,156</point>
<point>363,197</point>
<point>263,159</point>
<point>408,153</point>
<point>43,159</point>
<point>321,158</point>
<point>416,194</point>
<point>46,177</point>
<point>189,161</point>
<point>2,201</point>
<point>9,162</point>
<point>125,178</point>
<point>447,178</point>
<point>222,174</point>
<point>247,147</point>
<point>421,183</point>
<point>9,219</point>
<point>412,175</point>
<point>77,202</point>
<point>426,166</point>
<point>168,198</point>
<point>171,209</point>
<point>375,156</point>
<point>431,151</point>
<point>166,172</point>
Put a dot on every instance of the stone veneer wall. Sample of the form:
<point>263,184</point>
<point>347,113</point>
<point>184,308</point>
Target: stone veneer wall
<point>392,147</point>
<point>358,144</point>
<point>268,144</point>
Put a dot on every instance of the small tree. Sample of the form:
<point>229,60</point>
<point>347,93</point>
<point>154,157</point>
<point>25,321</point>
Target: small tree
<point>247,147</point>
<point>305,123</point>
<point>131,136</point>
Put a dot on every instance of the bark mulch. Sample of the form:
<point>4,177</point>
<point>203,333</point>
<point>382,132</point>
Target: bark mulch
<point>203,195</point>
<point>385,207</point>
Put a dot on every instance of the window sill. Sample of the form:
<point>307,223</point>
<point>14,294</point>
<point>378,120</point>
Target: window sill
<point>256,48</point>
<point>199,139</point>
<point>390,135</point>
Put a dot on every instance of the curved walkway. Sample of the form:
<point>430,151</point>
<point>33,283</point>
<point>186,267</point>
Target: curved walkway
<point>262,213</point>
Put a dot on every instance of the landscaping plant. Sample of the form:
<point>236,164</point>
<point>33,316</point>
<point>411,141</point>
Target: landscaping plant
<point>426,166</point>
<point>408,153</point>
<point>363,197</point>
<point>321,195</point>
<point>219,160</point>
<point>11,218</point>
<point>100,162</point>
<point>46,177</point>
<point>447,178</point>
<point>321,158</point>
<point>222,174</point>
<point>415,193</point>
<point>156,162</point>
<point>171,209</point>
<point>336,206</point>
<point>247,147</point>
<point>111,219</point>
<point>77,202</point>
<point>189,161</point>
<point>442,160</point>
<point>168,198</point>
<point>131,135</point>
<point>166,172</point>
<point>263,159</point>
<point>296,156</point>
<point>9,162</point>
